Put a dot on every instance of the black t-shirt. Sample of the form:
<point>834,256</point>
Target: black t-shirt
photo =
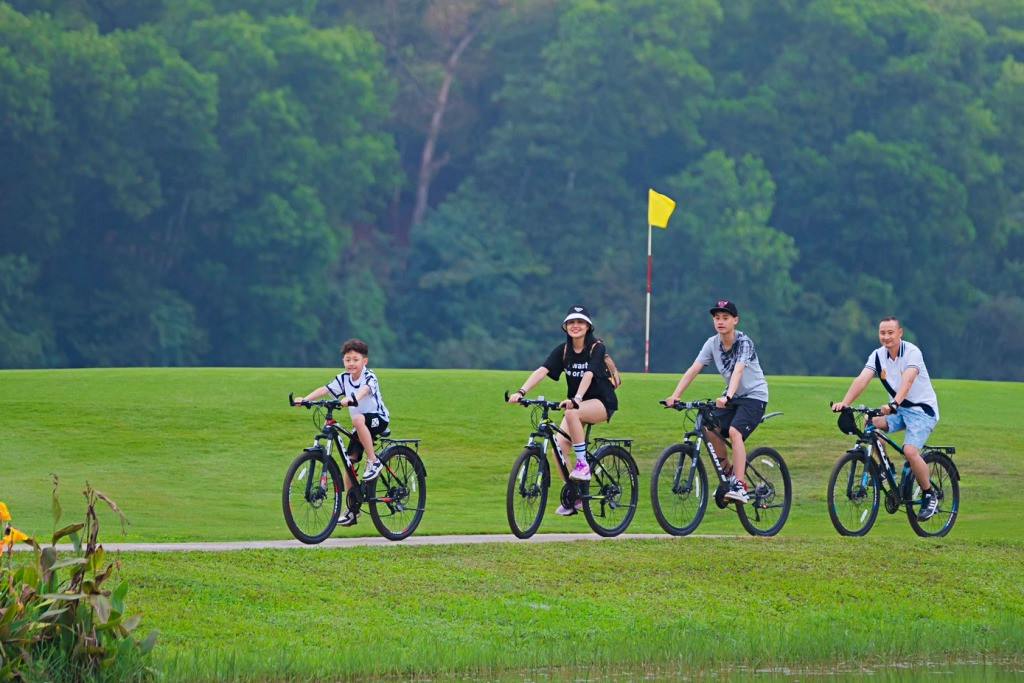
<point>575,365</point>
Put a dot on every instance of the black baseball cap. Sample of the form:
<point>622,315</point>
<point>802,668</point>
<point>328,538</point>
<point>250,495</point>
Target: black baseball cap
<point>578,313</point>
<point>725,306</point>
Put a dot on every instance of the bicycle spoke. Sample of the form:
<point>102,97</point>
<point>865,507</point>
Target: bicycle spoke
<point>311,498</point>
<point>611,502</point>
<point>526,494</point>
<point>768,487</point>
<point>398,495</point>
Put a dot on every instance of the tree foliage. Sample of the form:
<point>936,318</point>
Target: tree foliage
<point>241,182</point>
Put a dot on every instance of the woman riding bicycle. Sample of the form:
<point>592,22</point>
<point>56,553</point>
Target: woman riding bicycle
<point>590,396</point>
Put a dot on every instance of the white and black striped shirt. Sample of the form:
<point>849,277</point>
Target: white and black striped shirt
<point>344,385</point>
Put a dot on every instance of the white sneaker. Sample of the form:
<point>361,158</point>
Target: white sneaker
<point>348,519</point>
<point>581,472</point>
<point>565,512</point>
<point>737,492</point>
<point>373,468</point>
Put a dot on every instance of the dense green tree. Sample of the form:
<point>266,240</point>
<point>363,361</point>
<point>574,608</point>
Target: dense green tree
<point>240,181</point>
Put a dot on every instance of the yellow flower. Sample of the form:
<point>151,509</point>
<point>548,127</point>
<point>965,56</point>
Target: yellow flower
<point>4,514</point>
<point>12,536</point>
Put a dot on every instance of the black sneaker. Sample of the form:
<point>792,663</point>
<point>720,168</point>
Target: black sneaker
<point>348,519</point>
<point>929,506</point>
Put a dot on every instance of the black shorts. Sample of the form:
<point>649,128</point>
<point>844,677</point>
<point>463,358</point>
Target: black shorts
<point>742,413</point>
<point>376,425</point>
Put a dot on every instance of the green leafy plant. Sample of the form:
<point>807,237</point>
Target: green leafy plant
<point>58,619</point>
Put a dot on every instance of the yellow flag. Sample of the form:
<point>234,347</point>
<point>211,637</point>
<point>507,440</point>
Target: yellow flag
<point>659,208</point>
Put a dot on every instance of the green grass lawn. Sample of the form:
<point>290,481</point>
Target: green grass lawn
<point>200,454</point>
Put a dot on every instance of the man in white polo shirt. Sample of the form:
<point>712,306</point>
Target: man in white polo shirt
<point>900,367</point>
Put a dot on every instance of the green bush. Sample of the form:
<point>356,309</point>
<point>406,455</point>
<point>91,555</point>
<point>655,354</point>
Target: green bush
<point>68,629</point>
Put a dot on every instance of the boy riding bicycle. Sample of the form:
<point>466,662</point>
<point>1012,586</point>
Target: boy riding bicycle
<point>741,406</point>
<point>369,417</point>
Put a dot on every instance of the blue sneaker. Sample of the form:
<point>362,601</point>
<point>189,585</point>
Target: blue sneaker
<point>929,506</point>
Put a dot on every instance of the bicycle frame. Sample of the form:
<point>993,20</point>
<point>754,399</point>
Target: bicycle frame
<point>545,434</point>
<point>697,437</point>
<point>873,445</point>
<point>333,432</point>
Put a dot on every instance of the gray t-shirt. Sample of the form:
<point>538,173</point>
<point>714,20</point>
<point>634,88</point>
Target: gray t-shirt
<point>752,381</point>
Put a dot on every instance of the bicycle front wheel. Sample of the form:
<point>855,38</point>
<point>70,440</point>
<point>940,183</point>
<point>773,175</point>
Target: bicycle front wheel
<point>679,489</point>
<point>527,493</point>
<point>611,501</point>
<point>311,497</point>
<point>945,481</point>
<point>853,493</point>
<point>399,493</point>
<point>770,492</point>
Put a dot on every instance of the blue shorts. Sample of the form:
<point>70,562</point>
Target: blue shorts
<point>918,424</point>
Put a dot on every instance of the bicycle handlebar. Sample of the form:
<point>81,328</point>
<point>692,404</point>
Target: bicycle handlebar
<point>329,403</point>
<point>869,412</point>
<point>523,401</point>
<point>706,404</point>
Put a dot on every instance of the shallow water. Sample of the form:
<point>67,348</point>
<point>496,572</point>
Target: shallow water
<point>955,672</point>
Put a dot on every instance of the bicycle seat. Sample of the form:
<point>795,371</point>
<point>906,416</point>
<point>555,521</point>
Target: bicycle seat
<point>386,433</point>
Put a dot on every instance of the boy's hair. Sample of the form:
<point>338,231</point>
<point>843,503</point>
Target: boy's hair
<point>357,345</point>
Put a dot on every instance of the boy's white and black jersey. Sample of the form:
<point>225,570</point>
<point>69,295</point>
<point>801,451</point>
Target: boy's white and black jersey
<point>344,385</point>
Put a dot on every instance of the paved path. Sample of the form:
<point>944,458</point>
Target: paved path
<point>363,541</point>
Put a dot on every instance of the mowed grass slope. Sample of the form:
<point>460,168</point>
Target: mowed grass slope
<point>199,454</point>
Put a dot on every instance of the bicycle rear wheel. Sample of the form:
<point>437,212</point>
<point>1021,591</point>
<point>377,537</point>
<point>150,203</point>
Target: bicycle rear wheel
<point>679,499</point>
<point>613,492</point>
<point>770,492</point>
<point>399,493</point>
<point>311,497</point>
<point>853,493</point>
<point>527,493</point>
<point>945,481</point>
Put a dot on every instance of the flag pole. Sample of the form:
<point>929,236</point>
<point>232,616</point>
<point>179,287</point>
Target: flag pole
<point>647,325</point>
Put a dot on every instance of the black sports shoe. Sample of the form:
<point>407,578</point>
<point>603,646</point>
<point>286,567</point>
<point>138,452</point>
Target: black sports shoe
<point>929,505</point>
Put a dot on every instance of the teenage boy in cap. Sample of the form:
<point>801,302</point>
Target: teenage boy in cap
<point>914,407</point>
<point>741,406</point>
<point>590,391</point>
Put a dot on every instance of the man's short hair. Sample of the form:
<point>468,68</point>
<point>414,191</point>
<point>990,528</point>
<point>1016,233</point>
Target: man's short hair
<point>890,318</point>
<point>357,345</point>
